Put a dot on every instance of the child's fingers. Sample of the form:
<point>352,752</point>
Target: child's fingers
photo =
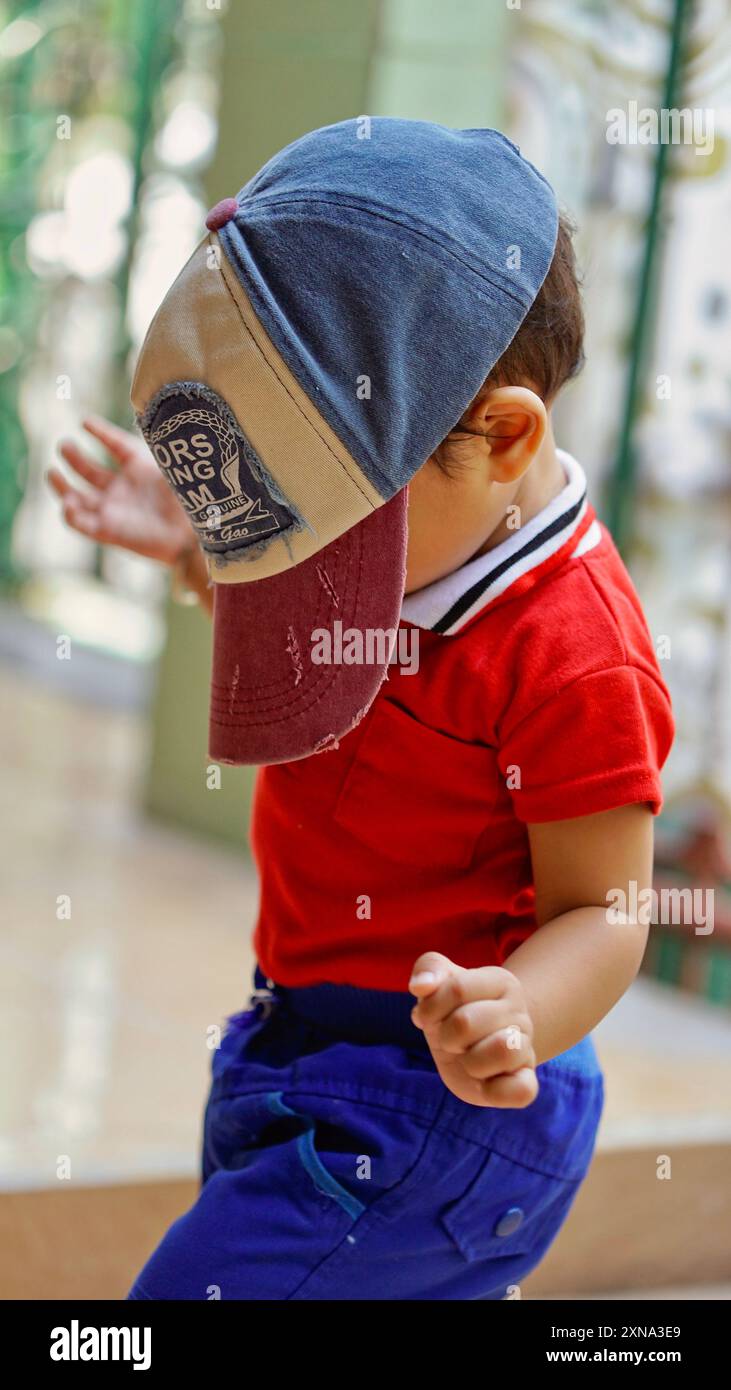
<point>428,972</point>
<point>75,503</point>
<point>473,1023</point>
<point>80,511</point>
<point>512,1092</point>
<point>87,468</point>
<point>502,1054</point>
<point>120,443</point>
<point>460,986</point>
<point>81,518</point>
<point>61,485</point>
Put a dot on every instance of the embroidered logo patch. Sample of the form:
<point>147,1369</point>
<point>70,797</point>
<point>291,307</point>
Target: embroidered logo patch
<point>214,470</point>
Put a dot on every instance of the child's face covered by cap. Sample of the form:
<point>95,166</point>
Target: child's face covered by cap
<point>501,467</point>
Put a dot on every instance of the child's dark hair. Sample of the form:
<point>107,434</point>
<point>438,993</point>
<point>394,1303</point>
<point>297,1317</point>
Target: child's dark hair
<point>548,348</point>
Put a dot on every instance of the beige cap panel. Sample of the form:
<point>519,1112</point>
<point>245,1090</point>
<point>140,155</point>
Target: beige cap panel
<point>207,331</point>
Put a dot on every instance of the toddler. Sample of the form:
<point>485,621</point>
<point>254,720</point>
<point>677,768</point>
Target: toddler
<point>347,399</point>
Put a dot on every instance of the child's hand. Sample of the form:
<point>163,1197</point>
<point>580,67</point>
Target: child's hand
<point>131,505</point>
<point>479,1031</point>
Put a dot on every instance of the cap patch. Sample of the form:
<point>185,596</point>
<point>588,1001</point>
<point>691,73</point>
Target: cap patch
<point>214,470</point>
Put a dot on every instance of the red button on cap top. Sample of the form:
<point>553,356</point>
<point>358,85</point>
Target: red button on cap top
<point>221,214</point>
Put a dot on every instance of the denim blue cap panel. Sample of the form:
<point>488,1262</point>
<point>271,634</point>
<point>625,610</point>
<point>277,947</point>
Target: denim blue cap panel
<point>392,270</point>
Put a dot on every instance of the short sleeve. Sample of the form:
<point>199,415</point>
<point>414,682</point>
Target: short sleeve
<point>597,744</point>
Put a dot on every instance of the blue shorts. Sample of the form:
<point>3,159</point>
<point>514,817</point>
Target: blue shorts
<point>337,1165</point>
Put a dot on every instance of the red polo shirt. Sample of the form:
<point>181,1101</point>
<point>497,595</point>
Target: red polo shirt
<point>538,697</point>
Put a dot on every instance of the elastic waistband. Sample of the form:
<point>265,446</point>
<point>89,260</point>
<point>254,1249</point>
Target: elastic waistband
<point>360,1015</point>
<point>349,1012</point>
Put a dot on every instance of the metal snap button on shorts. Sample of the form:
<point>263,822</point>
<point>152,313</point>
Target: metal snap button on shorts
<point>337,1165</point>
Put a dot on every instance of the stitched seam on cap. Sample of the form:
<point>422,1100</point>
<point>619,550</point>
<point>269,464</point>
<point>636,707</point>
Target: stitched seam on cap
<point>296,708</point>
<point>341,568</point>
<point>261,699</point>
<point>398,220</point>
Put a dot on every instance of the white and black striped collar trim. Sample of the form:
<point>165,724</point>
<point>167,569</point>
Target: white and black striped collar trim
<point>450,603</point>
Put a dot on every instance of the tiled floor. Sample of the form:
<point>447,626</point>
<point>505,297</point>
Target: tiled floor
<point>105,1013</point>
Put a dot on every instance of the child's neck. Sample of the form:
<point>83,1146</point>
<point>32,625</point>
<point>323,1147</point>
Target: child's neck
<point>543,481</point>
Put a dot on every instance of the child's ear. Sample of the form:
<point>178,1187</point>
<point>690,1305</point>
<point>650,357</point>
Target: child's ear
<point>512,423</point>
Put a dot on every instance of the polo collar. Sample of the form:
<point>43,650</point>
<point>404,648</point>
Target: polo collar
<point>447,605</point>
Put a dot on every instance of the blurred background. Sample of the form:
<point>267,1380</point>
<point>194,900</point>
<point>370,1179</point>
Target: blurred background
<point>128,893</point>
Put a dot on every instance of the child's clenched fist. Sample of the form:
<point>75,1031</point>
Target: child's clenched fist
<point>479,1030</point>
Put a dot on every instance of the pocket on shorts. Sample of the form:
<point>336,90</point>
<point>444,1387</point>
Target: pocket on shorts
<point>368,1150</point>
<point>508,1210</point>
<point>323,1179</point>
<point>345,1152</point>
<point>262,1129</point>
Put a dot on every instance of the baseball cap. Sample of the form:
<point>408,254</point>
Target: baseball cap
<point>327,333</point>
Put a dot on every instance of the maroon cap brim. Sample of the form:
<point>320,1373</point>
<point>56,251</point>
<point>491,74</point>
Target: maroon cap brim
<point>273,698</point>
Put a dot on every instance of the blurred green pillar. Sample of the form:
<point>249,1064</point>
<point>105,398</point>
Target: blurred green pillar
<point>435,61</point>
<point>288,68</point>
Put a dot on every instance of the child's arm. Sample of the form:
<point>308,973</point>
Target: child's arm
<point>585,954</point>
<point>489,1028</point>
<point>130,505</point>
